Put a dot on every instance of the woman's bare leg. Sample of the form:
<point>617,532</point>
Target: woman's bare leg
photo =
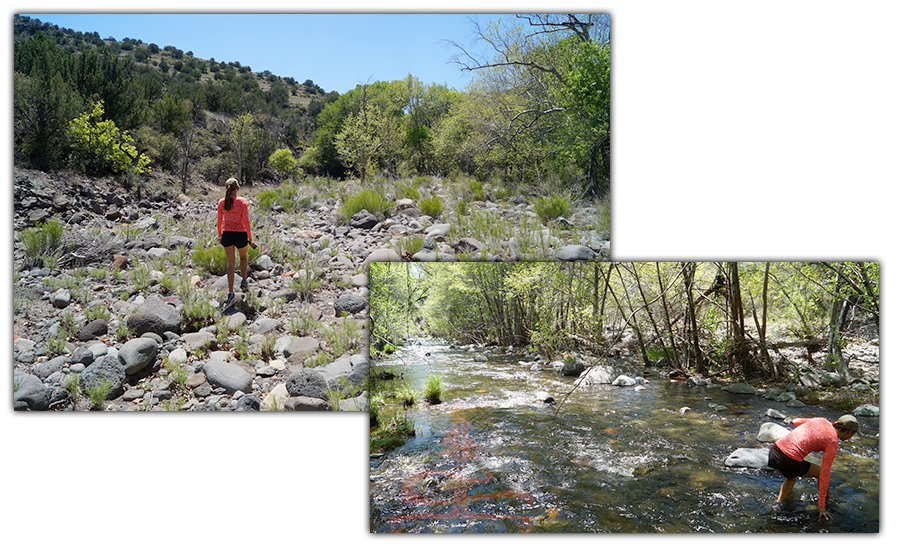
<point>229,255</point>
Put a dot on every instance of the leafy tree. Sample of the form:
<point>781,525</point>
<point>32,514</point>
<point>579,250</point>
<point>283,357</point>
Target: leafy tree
<point>284,162</point>
<point>102,147</point>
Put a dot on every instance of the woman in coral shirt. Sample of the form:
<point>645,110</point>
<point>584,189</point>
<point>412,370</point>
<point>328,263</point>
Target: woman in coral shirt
<point>234,232</point>
<point>811,435</point>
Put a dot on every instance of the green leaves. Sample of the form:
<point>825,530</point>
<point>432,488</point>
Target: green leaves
<point>102,147</point>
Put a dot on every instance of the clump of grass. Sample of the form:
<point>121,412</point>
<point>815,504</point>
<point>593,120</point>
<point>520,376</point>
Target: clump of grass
<point>548,209</point>
<point>287,196</point>
<point>214,261</point>
<point>392,431</point>
<point>42,239</point>
<point>406,396</point>
<point>432,207</point>
<point>97,393</point>
<point>370,200</point>
<point>432,390</point>
<point>409,245</point>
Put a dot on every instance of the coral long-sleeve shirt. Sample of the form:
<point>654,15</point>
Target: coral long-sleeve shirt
<point>812,435</point>
<point>236,219</point>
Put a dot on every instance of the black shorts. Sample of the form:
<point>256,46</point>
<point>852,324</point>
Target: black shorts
<point>786,465</point>
<point>234,238</point>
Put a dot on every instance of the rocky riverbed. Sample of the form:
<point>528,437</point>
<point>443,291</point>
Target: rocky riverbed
<point>122,318</point>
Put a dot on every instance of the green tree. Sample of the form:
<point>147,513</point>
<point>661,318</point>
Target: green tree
<point>284,162</point>
<point>101,147</point>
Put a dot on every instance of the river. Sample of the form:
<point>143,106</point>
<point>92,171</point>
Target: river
<point>493,458</point>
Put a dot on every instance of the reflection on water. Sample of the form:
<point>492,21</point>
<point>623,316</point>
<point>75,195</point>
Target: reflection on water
<point>493,458</point>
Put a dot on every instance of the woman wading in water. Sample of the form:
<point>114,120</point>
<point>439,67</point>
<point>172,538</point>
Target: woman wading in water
<point>811,435</point>
<point>234,233</point>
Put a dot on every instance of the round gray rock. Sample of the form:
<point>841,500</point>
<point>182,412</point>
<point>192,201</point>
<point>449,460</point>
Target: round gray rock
<point>350,303</point>
<point>137,354</point>
<point>230,377</point>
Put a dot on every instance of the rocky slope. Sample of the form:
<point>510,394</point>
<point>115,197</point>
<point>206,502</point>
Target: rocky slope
<point>109,321</point>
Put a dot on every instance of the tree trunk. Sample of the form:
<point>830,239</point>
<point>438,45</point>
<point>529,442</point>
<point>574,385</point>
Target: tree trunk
<point>687,272</point>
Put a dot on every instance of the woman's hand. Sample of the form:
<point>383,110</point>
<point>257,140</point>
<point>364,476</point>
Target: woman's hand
<point>824,514</point>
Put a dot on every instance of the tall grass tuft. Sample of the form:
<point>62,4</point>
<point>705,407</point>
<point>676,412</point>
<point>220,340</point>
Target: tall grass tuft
<point>42,239</point>
<point>370,200</point>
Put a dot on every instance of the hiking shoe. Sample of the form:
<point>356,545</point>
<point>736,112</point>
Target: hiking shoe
<point>229,299</point>
<point>244,286</point>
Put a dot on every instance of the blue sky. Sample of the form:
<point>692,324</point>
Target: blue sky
<point>337,51</point>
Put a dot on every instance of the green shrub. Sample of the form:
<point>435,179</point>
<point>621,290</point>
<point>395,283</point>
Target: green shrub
<point>213,260</point>
<point>551,208</point>
<point>432,207</point>
<point>370,200</point>
<point>42,239</point>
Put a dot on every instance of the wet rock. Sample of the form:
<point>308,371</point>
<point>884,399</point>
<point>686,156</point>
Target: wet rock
<point>757,458</point>
<point>573,369</point>
<point>695,381</point>
<point>544,397</point>
<point>623,381</point>
<point>740,388</point>
<point>771,432</point>
<point>775,413</point>
<point>599,375</point>
<point>867,411</point>
<point>480,358</point>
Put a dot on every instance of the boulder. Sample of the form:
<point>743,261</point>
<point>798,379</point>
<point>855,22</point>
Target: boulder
<point>574,253</point>
<point>305,404</point>
<point>302,348</point>
<point>771,432</point>
<point>94,329</point>
<point>354,369</point>
<point>740,388</point>
<point>137,354</point>
<point>599,375</point>
<point>229,376</point>
<point>573,369</point>
<point>363,219</point>
<point>695,381</point>
<point>141,323</point>
<point>866,411</point>
<point>104,371</point>
<point>775,413</point>
<point>61,298</point>
<point>307,383</point>
<point>757,458</point>
<point>349,303</point>
<point>169,314</point>
<point>623,381</point>
<point>29,393</point>
<point>382,255</point>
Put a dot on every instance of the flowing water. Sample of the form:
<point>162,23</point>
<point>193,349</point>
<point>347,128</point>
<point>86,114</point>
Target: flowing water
<point>493,458</point>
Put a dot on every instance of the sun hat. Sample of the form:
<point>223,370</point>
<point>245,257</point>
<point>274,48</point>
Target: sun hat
<point>849,422</point>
